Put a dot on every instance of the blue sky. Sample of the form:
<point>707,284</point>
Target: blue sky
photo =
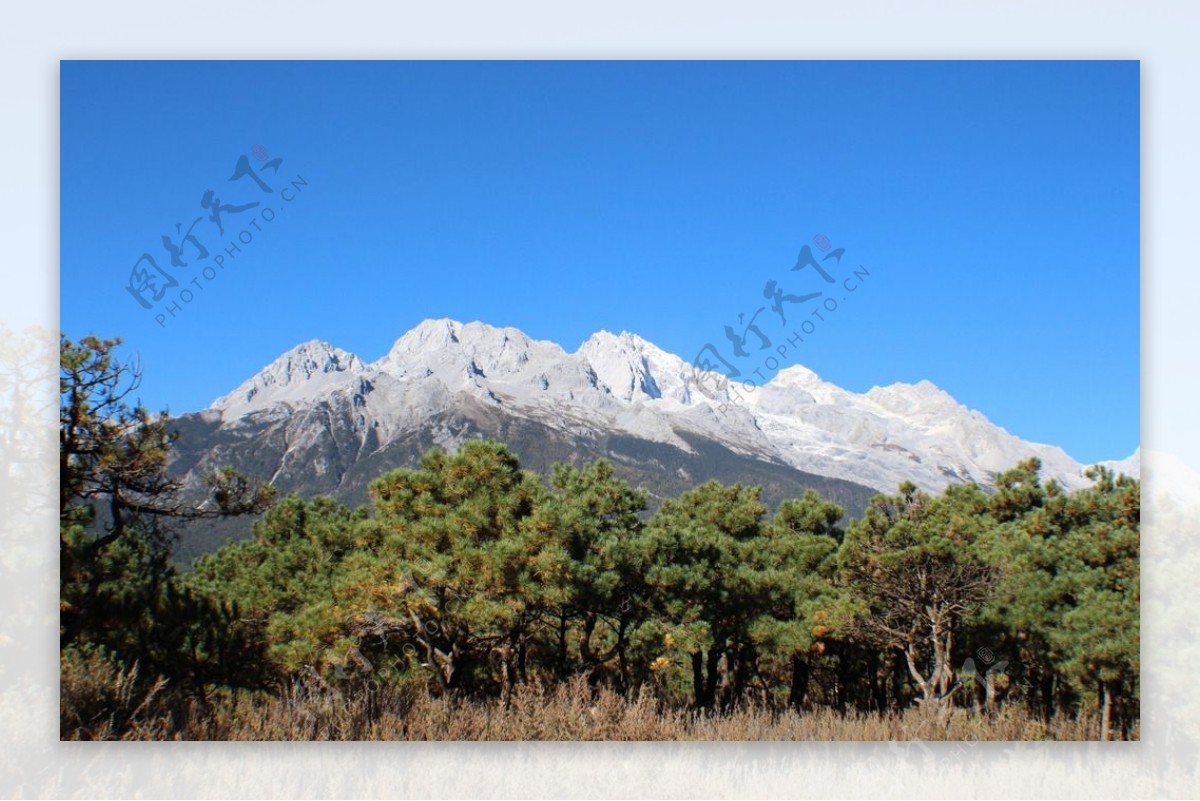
<point>994,204</point>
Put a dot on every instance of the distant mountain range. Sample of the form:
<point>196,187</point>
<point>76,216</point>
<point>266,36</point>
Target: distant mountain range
<point>320,420</point>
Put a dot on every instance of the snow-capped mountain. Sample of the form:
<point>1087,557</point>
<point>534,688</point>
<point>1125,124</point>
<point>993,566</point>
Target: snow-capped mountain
<point>320,419</point>
<point>296,375</point>
<point>620,383</point>
<point>1131,465</point>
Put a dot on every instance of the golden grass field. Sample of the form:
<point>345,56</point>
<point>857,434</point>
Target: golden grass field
<point>100,705</point>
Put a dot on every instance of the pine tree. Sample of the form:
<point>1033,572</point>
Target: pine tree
<point>912,566</point>
<point>595,517</point>
<point>472,572</point>
<point>118,587</point>
<point>798,560</point>
<point>696,551</point>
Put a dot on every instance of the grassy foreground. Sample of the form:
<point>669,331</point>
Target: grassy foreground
<point>100,705</point>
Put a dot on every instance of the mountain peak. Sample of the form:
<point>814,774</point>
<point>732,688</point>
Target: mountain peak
<point>797,374</point>
<point>635,369</point>
<point>904,398</point>
<point>428,334</point>
<point>298,374</point>
<point>607,339</point>
<point>443,333</point>
<point>466,352</point>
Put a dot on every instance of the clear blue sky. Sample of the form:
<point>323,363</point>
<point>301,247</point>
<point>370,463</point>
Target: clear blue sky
<point>995,204</point>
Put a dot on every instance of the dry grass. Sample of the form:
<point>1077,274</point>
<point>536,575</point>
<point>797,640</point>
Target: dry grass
<point>102,702</point>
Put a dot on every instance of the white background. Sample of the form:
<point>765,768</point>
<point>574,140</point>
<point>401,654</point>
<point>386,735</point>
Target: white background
<point>1162,35</point>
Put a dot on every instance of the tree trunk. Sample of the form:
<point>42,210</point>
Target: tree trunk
<point>622,660</point>
<point>878,682</point>
<point>898,681</point>
<point>698,678</point>
<point>840,690</point>
<point>1105,711</point>
<point>928,690</point>
<point>585,639</point>
<point>507,654</point>
<point>505,681</point>
<point>745,664</point>
<point>713,670</point>
<point>562,645</point>
<point>522,655</point>
<point>800,675</point>
<point>941,639</point>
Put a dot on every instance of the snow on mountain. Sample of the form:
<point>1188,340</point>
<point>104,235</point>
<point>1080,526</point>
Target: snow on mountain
<point>620,383</point>
<point>299,375</point>
<point>461,353</point>
<point>635,370</point>
<point>1130,465</point>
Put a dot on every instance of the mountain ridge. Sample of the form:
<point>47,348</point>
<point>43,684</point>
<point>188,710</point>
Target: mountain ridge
<point>319,420</point>
<point>623,383</point>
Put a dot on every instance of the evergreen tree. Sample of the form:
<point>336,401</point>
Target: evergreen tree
<point>697,561</point>
<point>118,588</point>
<point>1073,593</point>
<point>912,566</point>
<point>469,568</point>
<point>798,559</point>
<point>596,520</point>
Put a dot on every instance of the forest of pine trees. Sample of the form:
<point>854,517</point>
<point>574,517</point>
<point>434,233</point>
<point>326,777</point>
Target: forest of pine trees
<point>470,579</point>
